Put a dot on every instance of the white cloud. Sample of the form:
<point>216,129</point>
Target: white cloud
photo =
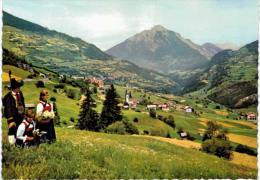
<point>101,25</point>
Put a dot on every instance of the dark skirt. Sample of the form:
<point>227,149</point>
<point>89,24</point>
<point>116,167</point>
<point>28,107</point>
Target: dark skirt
<point>50,135</point>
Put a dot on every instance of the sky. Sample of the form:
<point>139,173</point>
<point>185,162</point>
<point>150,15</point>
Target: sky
<point>106,23</point>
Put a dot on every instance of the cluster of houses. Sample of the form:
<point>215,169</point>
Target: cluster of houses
<point>161,106</point>
<point>95,81</point>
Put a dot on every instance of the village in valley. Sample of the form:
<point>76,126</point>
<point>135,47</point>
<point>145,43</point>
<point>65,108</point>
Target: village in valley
<point>156,105</point>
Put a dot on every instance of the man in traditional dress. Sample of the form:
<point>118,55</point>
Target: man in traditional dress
<point>13,103</point>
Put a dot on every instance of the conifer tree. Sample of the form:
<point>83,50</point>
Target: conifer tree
<point>111,112</point>
<point>55,109</point>
<point>88,117</point>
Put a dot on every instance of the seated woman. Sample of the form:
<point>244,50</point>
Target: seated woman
<point>44,118</point>
<point>25,132</point>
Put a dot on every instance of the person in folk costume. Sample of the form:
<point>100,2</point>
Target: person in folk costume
<point>45,116</point>
<point>25,136</point>
<point>13,103</point>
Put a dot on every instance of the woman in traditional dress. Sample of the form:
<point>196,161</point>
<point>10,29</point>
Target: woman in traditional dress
<point>45,116</point>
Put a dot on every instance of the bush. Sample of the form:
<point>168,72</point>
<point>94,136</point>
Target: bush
<point>55,90</point>
<point>136,120</point>
<point>130,128</point>
<point>137,110</point>
<point>217,147</point>
<point>39,84</point>
<point>53,99</point>
<point>189,137</point>
<point>152,113</point>
<point>71,93</point>
<point>217,107</point>
<point>170,121</point>
<point>146,132</point>
<point>64,122</point>
<point>160,117</point>
<point>59,86</point>
<point>122,127</point>
<point>245,149</point>
<point>30,76</point>
<point>94,90</point>
<point>158,132</point>
<point>180,130</point>
<point>72,119</point>
<point>168,135</point>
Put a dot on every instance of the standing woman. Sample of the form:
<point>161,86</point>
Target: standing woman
<point>45,116</point>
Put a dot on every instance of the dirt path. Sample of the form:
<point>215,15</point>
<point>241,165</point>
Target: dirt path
<point>178,142</point>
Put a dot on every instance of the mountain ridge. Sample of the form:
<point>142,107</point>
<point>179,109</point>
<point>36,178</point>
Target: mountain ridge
<point>162,50</point>
<point>57,51</point>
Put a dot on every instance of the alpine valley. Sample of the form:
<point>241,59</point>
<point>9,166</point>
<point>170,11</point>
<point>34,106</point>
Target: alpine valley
<point>157,59</point>
<point>176,109</point>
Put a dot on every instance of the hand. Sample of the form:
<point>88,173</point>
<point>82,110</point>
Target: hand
<point>29,139</point>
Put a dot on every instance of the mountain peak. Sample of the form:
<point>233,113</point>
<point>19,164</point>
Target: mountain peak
<point>159,28</point>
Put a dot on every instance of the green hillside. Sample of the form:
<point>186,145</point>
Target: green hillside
<point>231,76</point>
<point>83,154</point>
<point>98,155</point>
<point>57,51</point>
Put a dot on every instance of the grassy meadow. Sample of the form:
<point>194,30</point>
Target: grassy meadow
<point>91,155</point>
<point>83,154</point>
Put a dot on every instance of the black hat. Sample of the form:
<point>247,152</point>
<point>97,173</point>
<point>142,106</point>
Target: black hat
<point>15,84</point>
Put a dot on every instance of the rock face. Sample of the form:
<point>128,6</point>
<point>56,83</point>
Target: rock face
<point>210,49</point>
<point>231,46</point>
<point>162,50</point>
<point>245,102</point>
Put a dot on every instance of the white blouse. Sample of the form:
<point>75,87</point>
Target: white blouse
<point>21,129</point>
<point>39,108</point>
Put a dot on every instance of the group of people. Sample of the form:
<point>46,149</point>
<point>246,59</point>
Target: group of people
<point>28,126</point>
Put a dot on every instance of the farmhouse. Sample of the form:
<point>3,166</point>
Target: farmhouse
<point>126,107</point>
<point>42,75</point>
<point>164,107</point>
<point>151,106</point>
<point>188,109</point>
<point>251,116</point>
<point>133,104</point>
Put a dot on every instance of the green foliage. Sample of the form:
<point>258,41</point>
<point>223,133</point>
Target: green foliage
<point>88,117</point>
<point>122,127</point>
<point>136,120</point>
<point>11,58</point>
<point>111,112</point>
<point>158,132</point>
<point>170,121</point>
<point>245,149</point>
<point>152,113</point>
<point>218,147</point>
<point>55,109</point>
<point>59,86</point>
<point>39,84</point>
<point>71,93</point>
<point>212,130</point>
<point>116,128</point>
<point>94,90</point>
